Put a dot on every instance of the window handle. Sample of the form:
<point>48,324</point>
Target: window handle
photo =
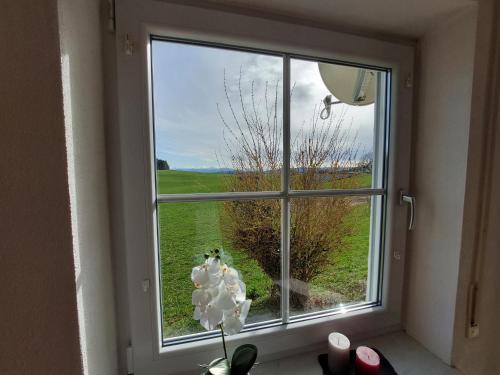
<point>411,200</point>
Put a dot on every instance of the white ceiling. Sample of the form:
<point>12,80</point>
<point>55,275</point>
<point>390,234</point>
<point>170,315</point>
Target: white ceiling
<point>401,18</point>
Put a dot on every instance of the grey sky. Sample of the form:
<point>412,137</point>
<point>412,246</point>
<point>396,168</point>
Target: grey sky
<point>189,83</point>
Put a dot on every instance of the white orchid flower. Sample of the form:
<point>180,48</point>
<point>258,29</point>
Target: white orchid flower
<point>210,317</point>
<point>219,297</point>
<point>230,275</point>
<point>203,296</point>
<point>214,271</point>
<point>199,276</point>
<point>234,319</point>
<point>207,275</point>
<point>238,290</point>
<point>225,300</point>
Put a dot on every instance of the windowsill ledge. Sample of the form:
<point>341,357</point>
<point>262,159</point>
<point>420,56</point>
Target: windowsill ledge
<point>405,354</point>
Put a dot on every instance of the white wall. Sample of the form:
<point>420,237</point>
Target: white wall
<point>80,33</point>
<point>443,117</point>
<point>480,258</point>
<point>480,355</point>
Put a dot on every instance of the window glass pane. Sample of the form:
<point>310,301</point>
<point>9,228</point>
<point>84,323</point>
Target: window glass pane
<point>217,118</point>
<point>248,235</point>
<point>331,252</point>
<point>218,126</point>
<point>338,146</point>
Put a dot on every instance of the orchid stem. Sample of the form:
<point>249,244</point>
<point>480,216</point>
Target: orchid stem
<point>223,341</point>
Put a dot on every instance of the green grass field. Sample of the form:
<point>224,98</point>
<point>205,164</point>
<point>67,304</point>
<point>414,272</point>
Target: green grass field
<point>188,230</point>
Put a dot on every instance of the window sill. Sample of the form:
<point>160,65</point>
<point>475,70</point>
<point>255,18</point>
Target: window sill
<point>405,354</point>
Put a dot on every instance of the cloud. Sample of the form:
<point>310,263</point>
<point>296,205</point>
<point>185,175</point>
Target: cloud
<point>188,83</point>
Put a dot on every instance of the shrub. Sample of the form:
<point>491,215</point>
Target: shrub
<point>320,153</point>
<point>162,165</point>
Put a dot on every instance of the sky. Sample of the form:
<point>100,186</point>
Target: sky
<point>188,89</point>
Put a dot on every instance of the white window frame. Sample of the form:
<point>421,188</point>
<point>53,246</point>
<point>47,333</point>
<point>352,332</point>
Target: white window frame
<point>137,20</point>
<point>286,195</point>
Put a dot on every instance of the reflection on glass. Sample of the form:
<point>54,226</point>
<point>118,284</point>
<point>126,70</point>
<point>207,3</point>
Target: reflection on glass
<point>329,252</point>
<point>216,112</point>
<point>247,232</point>
<point>332,125</point>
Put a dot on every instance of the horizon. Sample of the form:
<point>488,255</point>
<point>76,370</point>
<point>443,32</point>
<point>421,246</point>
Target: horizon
<point>229,170</point>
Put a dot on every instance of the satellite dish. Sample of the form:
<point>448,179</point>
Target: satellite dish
<point>350,85</point>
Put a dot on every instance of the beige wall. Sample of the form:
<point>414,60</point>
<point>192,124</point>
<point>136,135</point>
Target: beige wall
<point>480,259</point>
<point>82,74</point>
<point>443,115</point>
<point>38,315</point>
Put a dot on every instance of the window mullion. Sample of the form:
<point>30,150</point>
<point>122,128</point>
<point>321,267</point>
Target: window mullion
<point>285,203</point>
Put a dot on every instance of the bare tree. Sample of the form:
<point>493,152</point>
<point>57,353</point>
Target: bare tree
<point>320,151</point>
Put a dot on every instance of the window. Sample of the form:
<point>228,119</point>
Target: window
<point>255,156</point>
<point>171,77</point>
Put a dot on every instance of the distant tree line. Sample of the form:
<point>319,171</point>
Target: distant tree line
<point>162,165</point>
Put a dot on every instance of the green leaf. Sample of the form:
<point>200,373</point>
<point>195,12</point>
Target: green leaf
<point>243,359</point>
<point>219,366</point>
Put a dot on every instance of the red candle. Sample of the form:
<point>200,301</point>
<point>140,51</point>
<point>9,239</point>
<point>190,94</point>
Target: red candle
<point>367,361</point>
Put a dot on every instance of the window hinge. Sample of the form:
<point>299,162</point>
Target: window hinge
<point>472,324</point>
<point>111,16</point>
<point>128,45</point>
<point>409,81</point>
<point>145,285</point>
<point>130,360</point>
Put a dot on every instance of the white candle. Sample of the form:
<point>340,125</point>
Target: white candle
<point>338,353</point>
